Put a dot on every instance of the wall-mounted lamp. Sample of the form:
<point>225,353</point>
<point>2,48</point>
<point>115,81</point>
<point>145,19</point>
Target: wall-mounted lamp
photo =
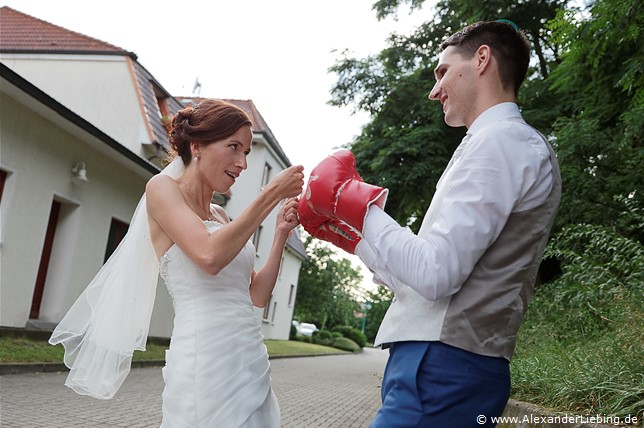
<point>79,173</point>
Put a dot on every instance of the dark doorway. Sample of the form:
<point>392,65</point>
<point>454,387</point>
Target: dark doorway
<point>44,260</point>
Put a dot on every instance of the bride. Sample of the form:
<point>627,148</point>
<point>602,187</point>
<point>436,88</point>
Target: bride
<point>217,368</point>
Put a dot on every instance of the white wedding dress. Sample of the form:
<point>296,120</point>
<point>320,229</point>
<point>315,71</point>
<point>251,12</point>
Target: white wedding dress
<point>217,373</point>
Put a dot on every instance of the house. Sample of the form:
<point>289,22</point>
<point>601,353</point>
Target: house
<point>73,167</point>
<point>267,159</point>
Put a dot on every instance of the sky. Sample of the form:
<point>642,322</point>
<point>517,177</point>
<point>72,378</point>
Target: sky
<point>275,52</point>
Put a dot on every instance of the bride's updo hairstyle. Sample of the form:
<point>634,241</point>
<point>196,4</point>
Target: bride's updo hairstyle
<point>207,122</point>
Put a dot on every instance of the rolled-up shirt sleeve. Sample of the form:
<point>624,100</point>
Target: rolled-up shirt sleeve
<point>488,181</point>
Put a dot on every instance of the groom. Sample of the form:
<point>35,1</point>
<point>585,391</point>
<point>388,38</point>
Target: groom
<point>463,284</point>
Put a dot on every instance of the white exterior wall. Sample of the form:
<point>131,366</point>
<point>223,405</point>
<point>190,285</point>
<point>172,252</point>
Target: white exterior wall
<point>278,323</point>
<point>99,88</point>
<point>244,191</point>
<point>280,314</point>
<point>38,154</point>
<point>102,90</point>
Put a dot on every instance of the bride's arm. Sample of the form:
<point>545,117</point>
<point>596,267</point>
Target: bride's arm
<point>263,282</point>
<point>212,252</point>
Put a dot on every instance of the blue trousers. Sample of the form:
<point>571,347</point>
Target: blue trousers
<point>434,385</point>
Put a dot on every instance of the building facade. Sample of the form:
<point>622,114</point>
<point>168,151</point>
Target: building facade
<point>82,129</point>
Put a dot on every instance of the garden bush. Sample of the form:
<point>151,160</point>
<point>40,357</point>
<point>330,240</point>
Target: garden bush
<point>580,347</point>
<point>302,338</point>
<point>323,337</point>
<point>346,344</point>
<point>352,333</point>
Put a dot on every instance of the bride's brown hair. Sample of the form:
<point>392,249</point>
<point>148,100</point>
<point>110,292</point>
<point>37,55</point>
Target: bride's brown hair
<point>207,122</point>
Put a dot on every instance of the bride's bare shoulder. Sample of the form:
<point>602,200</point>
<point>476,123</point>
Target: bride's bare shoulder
<point>160,181</point>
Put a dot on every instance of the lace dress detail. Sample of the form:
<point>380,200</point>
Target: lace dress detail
<point>217,372</point>
<point>163,268</point>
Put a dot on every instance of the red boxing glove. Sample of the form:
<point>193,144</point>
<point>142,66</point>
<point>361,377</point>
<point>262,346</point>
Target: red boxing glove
<point>327,229</point>
<point>337,191</point>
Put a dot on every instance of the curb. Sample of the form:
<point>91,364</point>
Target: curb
<point>25,368</point>
<point>30,368</point>
<point>532,416</point>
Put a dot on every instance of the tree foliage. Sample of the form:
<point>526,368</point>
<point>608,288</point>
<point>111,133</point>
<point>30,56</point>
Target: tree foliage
<point>406,145</point>
<point>600,141</point>
<point>581,343</point>
<point>584,91</point>
<point>379,299</point>
<point>325,294</point>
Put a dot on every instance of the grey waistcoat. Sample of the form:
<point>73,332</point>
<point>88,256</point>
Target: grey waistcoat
<point>485,315</point>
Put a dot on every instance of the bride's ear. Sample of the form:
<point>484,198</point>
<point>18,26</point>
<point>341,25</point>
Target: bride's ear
<point>195,149</point>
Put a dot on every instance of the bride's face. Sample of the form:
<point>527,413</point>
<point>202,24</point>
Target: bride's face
<point>221,162</point>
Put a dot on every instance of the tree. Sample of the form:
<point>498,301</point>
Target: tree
<point>585,93</point>
<point>600,141</point>
<point>380,300</point>
<point>406,145</point>
<point>325,293</point>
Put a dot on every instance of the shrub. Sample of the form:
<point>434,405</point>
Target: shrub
<point>346,344</point>
<point>323,337</point>
<point>352,333</point>
<point>580,347</point>
<point>302,338</point>
<point>293,332</point>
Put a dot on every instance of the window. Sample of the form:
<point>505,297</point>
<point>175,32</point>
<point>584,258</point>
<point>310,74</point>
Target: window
<point>266,177</point>
<point>267,309</point>
<point>256,237</point>
<point>279,272</point>
<point>274,311</point>
<point>118,229</point>
<point>3,178</point>
<point>164,109</point>
<point>290,296</point>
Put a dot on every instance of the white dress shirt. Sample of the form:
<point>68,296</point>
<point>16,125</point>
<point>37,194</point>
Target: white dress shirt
<point>502,166</point>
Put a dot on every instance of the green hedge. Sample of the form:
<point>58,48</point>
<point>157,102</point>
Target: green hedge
<point>352,333</point>
<point>323,337</point>
<point>346,344</point>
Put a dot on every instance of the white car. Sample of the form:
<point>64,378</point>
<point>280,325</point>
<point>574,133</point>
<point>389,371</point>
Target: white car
<point>306,329</point>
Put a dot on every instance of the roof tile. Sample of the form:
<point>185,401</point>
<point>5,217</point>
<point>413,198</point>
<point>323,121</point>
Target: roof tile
<point>259,124</point>
<point>24,33</point>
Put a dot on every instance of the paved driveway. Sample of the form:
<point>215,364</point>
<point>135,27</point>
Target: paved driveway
<point>339,391</point>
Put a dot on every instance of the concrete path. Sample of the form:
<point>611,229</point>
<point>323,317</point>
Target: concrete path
<point>337,391</point>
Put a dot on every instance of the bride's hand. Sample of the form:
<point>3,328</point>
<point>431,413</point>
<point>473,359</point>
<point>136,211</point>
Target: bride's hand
<point>288,183</point>
<point>287,218</point>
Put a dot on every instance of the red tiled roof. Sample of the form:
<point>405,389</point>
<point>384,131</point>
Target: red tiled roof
<point>259,124</point>
<point>23,33</point>
<point>248,106</point>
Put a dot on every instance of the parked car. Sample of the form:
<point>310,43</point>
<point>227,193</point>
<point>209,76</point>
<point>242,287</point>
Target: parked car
<point>305,329</point>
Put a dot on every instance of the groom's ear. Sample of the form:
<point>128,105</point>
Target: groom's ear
<point>483,58</point>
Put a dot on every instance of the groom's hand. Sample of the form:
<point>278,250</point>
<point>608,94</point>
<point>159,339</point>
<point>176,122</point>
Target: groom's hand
<point>330,230</point>
<point>336,190</point>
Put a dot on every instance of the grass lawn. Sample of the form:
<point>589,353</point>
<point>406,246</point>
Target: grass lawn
<point>293,347</point>
<point>23,350</point>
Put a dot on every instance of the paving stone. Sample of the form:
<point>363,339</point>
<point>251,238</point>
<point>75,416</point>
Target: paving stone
<point>336,391</point>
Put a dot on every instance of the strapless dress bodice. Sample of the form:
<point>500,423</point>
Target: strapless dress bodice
<point>217,372</point>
